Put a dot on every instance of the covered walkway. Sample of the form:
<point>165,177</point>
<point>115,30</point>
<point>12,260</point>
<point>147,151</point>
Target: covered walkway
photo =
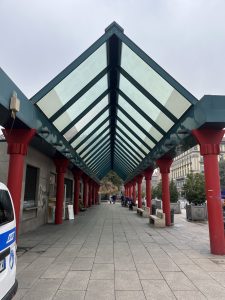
<point>112,108</point>
<point>108,252</point>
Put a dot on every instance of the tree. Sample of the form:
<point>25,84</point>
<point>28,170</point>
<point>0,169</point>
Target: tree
<point>111,183</point>
<point>222,174</point>
<point>173,192</point>
<point>157,191</point>
<point>194,188</point>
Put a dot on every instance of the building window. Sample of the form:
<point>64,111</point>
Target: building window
<point>69,190</point>
<point>30,193</point>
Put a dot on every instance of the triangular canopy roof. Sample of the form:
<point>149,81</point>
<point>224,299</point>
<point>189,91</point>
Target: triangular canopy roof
<point>114,107</point>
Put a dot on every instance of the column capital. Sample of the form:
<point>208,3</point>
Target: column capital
<point>18,140</point>
<point>209,140</point>
<point>85,178</point>
<point>61,164</point>
<point>76,173</point>
<point>148,173</point>
<point>164,165</point>
<point>139,178</point>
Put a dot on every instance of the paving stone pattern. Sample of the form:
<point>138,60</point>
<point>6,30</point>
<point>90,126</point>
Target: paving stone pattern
<point>108,252</point>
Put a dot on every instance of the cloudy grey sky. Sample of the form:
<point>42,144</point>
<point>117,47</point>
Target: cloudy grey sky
<point>39,38</point>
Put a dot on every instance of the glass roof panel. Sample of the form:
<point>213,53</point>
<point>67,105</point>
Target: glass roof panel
<point>145,104</point>
<point>79,106</point>
<point>89,116</point>
<point>139,118</point>
<point>129,142</point>
<point>158,87</point>
<point>104,143</point>
<point>93,136</point>
<point>132,155</point>
<point>74,82</point>
<point>135,129</point>
<point>132,137</point>
<point>90,128</point>
<point>130,149</point>
<point>95,142</point>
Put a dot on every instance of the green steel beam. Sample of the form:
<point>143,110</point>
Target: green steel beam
<point>137,125</point>
<point>152,64</point>
<point>97,147</point>
<point>120,171</point>
<point>132,142</point>
<point>113,59</point>
<point>126,156</point>
<point>125,168</point>
<point>125,159</point>
<point>98,158</point>
<point>103,164</point>
<point>93,141</point>
<point>96,154</point>
<point>108,33</point>
<point>123,162</point>
<point>98,164</point>
<point>80,132</point>
<point>89,135</point>
<point>141,112</point>
<point>81,115</point>
<point>128,146</point>
<point>134,134</point>
<point>148,95</point>
<point>126,150</point>
<point>75,98</point>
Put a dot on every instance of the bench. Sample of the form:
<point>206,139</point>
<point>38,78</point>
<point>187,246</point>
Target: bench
<point>159,219</point>
<point>140,211</point>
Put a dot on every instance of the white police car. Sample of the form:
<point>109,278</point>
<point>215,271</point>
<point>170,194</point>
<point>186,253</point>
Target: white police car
<point>8,282</point>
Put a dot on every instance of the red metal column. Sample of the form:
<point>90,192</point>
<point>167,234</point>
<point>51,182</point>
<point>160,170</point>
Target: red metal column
<point>93,193</point>
<point>96,193</point>
<point>76,174</point>
<point>148,176</point>
<point>85,182</point>
<point>130,190</point>
<point>139,182</point>
<point>209,140</point>
<point>18,141</point>
<point>89,192</point>
<point>61,166</point>
<point>164,166</point>
<point>134,190</point>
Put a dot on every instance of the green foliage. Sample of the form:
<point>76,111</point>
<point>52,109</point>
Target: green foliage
<point>194,188</point>
<point>173,192</point>
<point>111,183</point>
<point>222,174</point>
<point>157,191</point>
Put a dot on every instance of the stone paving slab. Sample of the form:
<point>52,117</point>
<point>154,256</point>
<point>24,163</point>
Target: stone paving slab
<point>108,252</point>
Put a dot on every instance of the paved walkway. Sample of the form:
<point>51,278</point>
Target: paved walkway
<point>109,253</point>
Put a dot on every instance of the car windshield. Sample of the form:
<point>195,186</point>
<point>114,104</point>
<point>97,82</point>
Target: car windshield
<point>6,210</point>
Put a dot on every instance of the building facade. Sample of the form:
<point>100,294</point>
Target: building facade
<point>38,188</point>
<point>190,161</point>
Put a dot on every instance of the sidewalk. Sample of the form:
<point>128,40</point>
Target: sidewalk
<point>109,252</point>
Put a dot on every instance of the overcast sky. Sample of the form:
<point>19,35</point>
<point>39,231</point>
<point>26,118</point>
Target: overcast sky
<point>39,38</point>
